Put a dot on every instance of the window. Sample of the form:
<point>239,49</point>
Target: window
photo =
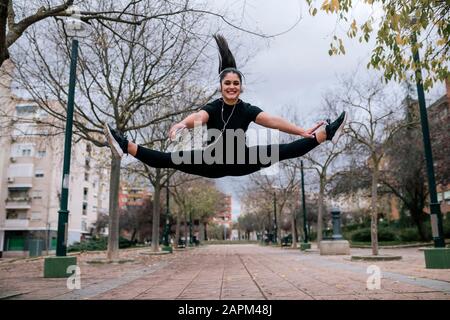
<point>84,208</point>
<point>36,215</point>
<point>41,154</point>
<point>12,215</point>
<point>20,170</point>
<point>25,110</point>
<point>85,194</point>
<point>39,173</point>
<point>18,194</point>
<point>37,194</point>
<point>447,195</point>
<point>22,150</point>
<point>83,226</point>
<point>86,176</point>
<point>16,214</point>
<point>23,129</point>
<point>439,197</point>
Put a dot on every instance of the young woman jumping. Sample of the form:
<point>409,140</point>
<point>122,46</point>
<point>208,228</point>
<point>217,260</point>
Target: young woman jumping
<point>222,116</point>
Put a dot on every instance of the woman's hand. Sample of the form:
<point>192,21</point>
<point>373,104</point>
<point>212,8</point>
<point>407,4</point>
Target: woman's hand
<point>175,128</point>
<point>308,132</point>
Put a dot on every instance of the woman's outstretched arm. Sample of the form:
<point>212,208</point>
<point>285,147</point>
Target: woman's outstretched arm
<point>198,117</point>
<point>275,122</point>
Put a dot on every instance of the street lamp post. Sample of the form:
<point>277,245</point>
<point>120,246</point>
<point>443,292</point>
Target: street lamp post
<point>63,213</point>
<point>275,227</point>
<point>166,242</point>
<point>305,245</point>
<point>57,267</point>
<point>435,210</point>
<point>190,228</point>
<point>439,256</point>
<point>305,229</point>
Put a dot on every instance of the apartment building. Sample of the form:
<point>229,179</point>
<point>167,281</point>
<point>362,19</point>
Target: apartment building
<point>439,120</point>
<point>31,161</point>
<point>133,196</point>
<point>223,215</point>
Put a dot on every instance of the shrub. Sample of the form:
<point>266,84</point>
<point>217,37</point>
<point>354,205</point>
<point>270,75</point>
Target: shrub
<point>99,244</point>
<point>386,234</point>
<point>363,235</point>
<point>125,243</point>
<point>352,227</point>
<point>409,234</point>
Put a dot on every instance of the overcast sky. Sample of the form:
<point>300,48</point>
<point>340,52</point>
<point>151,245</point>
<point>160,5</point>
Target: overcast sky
<point>292,69</point>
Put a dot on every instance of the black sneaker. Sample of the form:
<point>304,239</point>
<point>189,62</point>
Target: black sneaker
<point>334,129</point>
<point>117,140</point>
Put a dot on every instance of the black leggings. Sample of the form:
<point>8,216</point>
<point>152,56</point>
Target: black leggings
<point>158,159</point>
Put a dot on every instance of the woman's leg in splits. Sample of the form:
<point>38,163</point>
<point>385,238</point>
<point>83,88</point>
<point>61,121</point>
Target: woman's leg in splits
<point>158,159</point>
<point>263,156</point>
<point>195,158</point>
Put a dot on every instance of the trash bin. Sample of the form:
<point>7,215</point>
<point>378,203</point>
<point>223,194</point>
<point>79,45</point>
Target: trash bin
<point>35,247</point>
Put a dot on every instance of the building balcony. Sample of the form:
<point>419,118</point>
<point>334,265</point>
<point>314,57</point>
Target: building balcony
<point>18,203</point>
<point>16,223</point>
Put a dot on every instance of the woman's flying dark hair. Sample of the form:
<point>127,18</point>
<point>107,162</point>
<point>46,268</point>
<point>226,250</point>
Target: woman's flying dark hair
<point>227,63</point>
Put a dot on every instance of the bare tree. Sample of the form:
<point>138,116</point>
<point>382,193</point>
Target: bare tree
<point>278,188</point>
<point>323,161</point>
<point>127,77</point>
<point>111,13</point>
<point>374,123</point>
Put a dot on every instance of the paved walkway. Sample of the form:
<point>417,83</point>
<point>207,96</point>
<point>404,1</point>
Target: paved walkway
<point>222,272</point>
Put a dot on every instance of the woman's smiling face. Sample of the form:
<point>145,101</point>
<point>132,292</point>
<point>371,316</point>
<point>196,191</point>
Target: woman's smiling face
<point>231,87</point>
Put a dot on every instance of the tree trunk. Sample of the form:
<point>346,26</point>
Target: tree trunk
<point>113,237</point>
<point>374,207</point>
<point>294,231</point>
<point>418,221</point>
<point>156,215</point>
<point>3,22</point>
<point>177,231</point>
<point>206,230</point>
<point>201,233</point>
<point>320,210</point>
<point>422,232</point>
<point>185,229</point>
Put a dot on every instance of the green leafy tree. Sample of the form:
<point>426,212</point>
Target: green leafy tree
<point>248,223</point>
<point>395,24</point>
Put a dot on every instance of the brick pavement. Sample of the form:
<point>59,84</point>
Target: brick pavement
<point>237,272</point>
